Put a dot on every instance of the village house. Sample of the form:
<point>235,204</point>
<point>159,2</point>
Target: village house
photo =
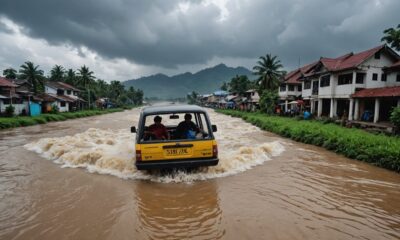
<point>9,96</point>
<point>252,99</point>
<point>62,95</point>
<point>362,86</point>
<point>291,87</point>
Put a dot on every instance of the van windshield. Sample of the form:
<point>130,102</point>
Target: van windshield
<point>175,126</point>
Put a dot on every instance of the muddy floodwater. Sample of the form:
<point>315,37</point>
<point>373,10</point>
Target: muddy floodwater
<point>76,180</point>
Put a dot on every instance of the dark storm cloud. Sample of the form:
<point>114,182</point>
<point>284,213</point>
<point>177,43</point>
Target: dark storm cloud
<point>157,33</point>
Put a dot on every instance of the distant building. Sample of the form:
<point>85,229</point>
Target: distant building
<point>62,95</point>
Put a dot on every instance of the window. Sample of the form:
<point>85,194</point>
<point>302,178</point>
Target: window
<point>398,78</point>
<point>299,88</point>
<point>307,84</point>
<point>60,92</point>
<point>291,88</point>
<point>283,88</point>
<point>69,92</point>
<point>75,93</point>
<point>375,77</point>
<point>383,77</point>
<point>325,81</point>
<point>345,79</point>
<point>6,101</point>
<point>378,55</point>
<point>360,78</point>
<point>62,104</point>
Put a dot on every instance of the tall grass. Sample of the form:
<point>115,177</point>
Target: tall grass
<point>11,122</point>
<point>379,150</point>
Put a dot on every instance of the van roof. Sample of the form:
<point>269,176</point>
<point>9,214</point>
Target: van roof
<point>172,109</point>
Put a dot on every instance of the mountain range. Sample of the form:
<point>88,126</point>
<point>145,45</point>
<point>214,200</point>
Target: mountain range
<point>205,81</point>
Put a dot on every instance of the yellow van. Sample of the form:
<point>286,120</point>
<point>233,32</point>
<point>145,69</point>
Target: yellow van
<point>178,136</point>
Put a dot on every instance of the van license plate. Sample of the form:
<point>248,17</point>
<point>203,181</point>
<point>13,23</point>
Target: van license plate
<point>177,151</point>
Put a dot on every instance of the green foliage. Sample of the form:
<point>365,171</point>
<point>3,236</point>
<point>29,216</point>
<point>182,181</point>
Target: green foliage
<point>392,37</point>
<point>57,73</point>
<point>54,109</point>
<point>269,71</point>
<point>379,150</point>
<point>240,84</point>
<point>192,98</point>
<point>10,73</point>
<point>34,75</point>
<point>224,86</point>
<point>10,109</point>
<point>268,101</point>
<point>395,117</point>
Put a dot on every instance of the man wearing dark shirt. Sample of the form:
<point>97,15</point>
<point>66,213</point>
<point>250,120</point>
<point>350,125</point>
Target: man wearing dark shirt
<point>182,131</point>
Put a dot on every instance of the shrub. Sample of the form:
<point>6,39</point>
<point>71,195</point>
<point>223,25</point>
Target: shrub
<point>10,109</point>
<point>395,117</point>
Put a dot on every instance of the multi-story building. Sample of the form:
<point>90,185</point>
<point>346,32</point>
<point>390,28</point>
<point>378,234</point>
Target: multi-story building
<point>361,86</point>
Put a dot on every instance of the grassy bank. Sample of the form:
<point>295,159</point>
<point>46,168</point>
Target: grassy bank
<point>12,122</point>
<point>379,150</point>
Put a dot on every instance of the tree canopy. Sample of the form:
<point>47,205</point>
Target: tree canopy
<point>269,71</point>
<point>392,37</point>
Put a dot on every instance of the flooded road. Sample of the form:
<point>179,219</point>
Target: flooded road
<point>76,180</point>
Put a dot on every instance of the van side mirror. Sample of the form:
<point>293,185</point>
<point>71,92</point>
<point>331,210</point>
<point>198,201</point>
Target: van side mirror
<point>214,128</point>
<point>133,129</point>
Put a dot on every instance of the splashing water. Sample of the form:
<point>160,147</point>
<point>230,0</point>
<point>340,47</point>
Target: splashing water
<point>112,152</point>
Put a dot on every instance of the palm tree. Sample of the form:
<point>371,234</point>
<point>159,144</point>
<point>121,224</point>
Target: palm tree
<point>86,79</point>
<point>70,77</point>
<point>57,73</point>
<point>269,72</point>
<point>34,76</point>
<point>10,73</point>
<point>392,37</point>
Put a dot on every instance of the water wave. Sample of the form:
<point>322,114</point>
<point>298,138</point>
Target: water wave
<point>112,152</point>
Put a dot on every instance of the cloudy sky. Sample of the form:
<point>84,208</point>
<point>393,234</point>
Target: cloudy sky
<point>125,39</point>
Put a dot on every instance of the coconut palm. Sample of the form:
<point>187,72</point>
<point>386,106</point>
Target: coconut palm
<point>85,79</point>
<point>10,73</point>
<point>269,70</point>
<point>34,76</point>
<point>70,77</point>
<point>392,37</point>
<point>57,73</point>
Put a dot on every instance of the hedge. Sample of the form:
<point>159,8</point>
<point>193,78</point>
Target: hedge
<point>379,150</point>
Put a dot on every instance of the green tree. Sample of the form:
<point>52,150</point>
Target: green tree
<point>70,77</point>
<point>57,73</point>
<point>85,80</point>
<point>192,97</point>
<point>10,73</point>
<point>268,101</point>
<point>392,37</point>
<point>240,84</point>
<point>224,86</point>
<point>269,71</point>
<point>34,76</point>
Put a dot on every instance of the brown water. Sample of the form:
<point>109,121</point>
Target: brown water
<point>76,180</point>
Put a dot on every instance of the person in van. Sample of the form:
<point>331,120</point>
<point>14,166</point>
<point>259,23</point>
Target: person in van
<point>156,131</point>
<point>187,129</point>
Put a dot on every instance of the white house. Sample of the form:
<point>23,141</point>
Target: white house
<point>342,86</point>
<point>62,95</point>
<point>8,96</point>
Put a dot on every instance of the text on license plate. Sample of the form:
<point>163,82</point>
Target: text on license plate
<point>177,151</point>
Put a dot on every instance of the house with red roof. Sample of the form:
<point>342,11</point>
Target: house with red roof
<point>63,96</point>
<point>9,96</point>
<point>360,86</point>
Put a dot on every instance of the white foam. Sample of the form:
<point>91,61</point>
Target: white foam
<point>112,152</point>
